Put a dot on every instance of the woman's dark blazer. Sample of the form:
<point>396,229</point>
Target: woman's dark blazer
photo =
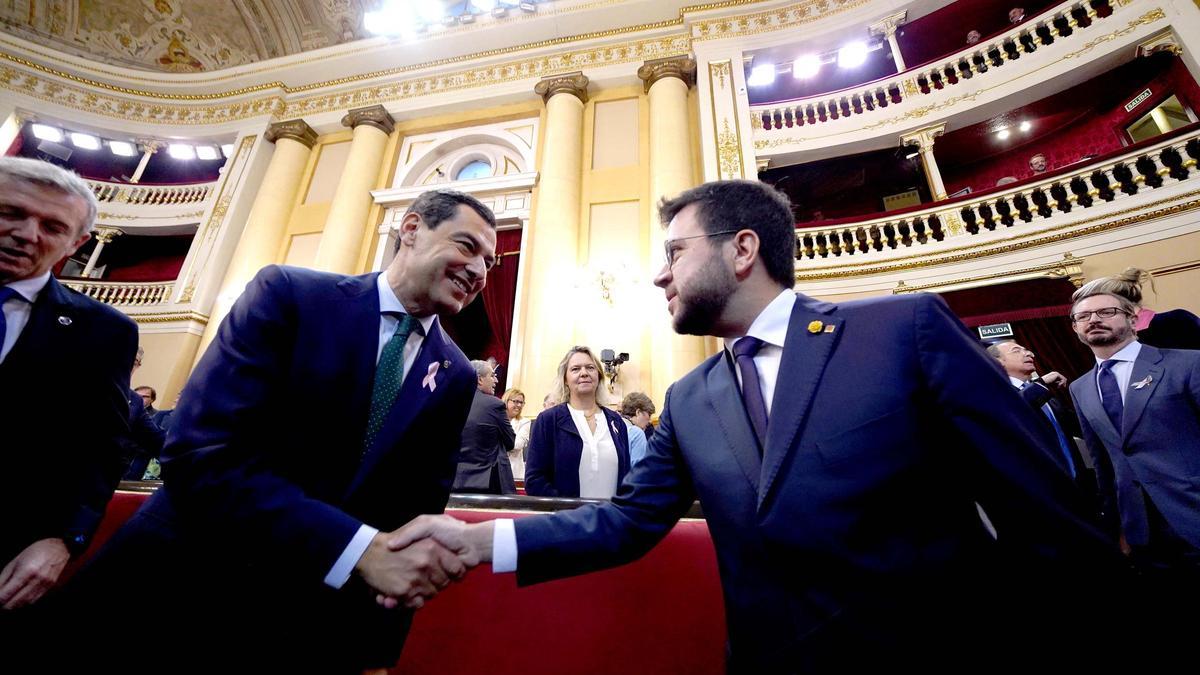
<point>552,465</point>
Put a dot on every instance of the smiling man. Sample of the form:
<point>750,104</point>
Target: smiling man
<point>52,338</point>
<point>327,410</point>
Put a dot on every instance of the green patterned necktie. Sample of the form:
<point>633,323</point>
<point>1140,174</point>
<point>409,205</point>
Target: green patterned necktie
<point>388,376</point>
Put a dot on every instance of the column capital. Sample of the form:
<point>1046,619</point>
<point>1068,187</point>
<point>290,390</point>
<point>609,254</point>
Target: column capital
<point>575,84</point>
<point>1163,42</point>
<point>150,145</point>
<point>682,67</point>
<point>887,25</point>
<point>105,235</point>
<point>923,137</point>
<point>296,130</point>
<point>372,116</point>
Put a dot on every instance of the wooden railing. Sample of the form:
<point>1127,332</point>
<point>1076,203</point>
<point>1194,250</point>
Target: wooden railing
<point>126,193</point>
<point>1143,170</point>
<point>124,292</point>
<point>1060,23</point>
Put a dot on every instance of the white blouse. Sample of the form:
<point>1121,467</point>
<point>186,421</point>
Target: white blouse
<point>516,456</point>
<point>598,459</point>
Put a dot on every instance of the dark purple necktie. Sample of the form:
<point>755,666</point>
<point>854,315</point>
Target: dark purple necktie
<point>743,353</point>
<point>1110,394</point>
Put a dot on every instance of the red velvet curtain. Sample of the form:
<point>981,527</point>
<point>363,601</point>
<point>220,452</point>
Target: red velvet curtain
<point>500,294</point>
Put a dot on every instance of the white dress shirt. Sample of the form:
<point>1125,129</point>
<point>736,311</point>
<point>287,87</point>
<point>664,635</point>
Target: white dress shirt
<point>770,326</point>
<point>1122,369</point>
<point>597,458</point>
<point>388,302</point>
<point>17,311</point>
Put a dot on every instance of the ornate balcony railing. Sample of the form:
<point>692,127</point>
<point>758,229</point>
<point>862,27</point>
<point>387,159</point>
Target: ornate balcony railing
<point>1146,169</point>
<point>122,292</point>
<point>126,193</point>
<point>1059,23</point>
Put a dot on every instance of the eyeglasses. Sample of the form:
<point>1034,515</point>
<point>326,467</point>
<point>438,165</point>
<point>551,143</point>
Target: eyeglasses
<point>670,252</point>
<point>1106,313</point>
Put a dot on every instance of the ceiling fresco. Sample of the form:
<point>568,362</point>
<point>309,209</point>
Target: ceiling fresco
<point>185,36</point>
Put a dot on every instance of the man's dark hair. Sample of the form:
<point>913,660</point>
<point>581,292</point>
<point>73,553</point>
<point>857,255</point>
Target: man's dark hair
<point>436,206</point>
<point>153,394</point>
<point>745,205</point>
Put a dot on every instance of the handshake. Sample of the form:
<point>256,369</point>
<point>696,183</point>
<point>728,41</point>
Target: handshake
<point>412,564</point>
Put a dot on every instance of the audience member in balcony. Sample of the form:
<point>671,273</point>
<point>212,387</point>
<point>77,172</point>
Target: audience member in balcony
<point>53,338</point>
<point>514,406</point>
<point>577,448</point>
<point>1173,329</point>
<point>1037,163</point>
<point>1016,15</point>
<point>327,406</point>
<point>973,37</point>
<point>841,453</point>
<point>145,439</point>
<point>1060,423</point>
<point>637,409</point>
<point>486,439</point>
<point>1140,407</point>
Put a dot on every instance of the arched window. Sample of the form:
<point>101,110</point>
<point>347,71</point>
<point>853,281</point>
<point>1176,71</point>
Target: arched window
<point>476,169</point>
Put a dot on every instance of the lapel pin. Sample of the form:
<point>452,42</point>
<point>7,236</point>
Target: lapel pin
<point>430,381</point>
<point>445,364</point>
<point>64,320</point>
<point>830,328</point>
<point>1143,383</point>
<point>815,327</point>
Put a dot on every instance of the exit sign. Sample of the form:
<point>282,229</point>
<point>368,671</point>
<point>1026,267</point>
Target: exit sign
<point>995,331</point>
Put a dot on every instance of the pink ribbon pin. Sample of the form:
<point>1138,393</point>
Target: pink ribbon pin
<point>430,382</point>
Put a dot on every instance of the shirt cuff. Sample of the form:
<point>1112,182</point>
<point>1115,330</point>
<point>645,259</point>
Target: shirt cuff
<point>340,574</point>
<point>504,546</point>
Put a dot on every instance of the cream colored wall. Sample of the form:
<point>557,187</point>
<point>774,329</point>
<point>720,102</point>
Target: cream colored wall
<point>161,367</point>
<point>1174,262</point>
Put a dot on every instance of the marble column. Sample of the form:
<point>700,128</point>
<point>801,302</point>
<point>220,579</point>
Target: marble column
<point>104,236</point>
<point>266,225</point>
<point>923,140</point>
<point>672,170</point>
<point>346,225</point>
<point>149,148</point>
<point>887,26</point>
<point>553,250</point>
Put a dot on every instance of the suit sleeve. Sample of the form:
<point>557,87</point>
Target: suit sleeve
<point>539,460</point>
<point>147,436</point>
<point>504,429</point>
<point>215,471</point>
<point>1014,471</point>
<point>652,498</point>
<point>104,412</point>
<point>1036,394</point>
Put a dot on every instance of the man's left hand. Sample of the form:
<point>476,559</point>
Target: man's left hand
<point>1054,380</point>
<point>27,577</point>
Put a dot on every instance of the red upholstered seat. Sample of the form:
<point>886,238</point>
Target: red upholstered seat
<point>662,614</point>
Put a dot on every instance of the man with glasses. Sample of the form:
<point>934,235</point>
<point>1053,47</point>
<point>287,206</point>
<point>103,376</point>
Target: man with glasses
<point>1140,407</point>
<point>841,453</point>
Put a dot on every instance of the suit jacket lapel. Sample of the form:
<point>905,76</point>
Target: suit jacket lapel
<point>414,397</point>
<point>1093,410</point>
<point>1145,366</point>
<point>730,413</point>
<point>567,423</point>
<point>805,354</point>
<point>52,318</point>
<point>359,326</point>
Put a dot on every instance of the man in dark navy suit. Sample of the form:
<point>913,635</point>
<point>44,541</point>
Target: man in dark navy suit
<point>486,439</point>
<point>843,454</point>
<point>326,412</point>
<point>53,339</point>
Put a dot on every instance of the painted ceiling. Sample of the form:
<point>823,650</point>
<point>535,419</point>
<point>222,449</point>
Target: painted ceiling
<point>185,36</point>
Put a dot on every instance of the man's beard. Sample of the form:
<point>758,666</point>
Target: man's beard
<point>706,299</point>
<point>1112,337</point>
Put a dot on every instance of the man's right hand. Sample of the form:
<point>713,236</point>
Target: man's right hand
<point>413,574</point>
<point>1055,380</point>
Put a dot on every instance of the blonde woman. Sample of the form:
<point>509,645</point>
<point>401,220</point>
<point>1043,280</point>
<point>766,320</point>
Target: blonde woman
<point>514,405</point>
<point>577,448</point>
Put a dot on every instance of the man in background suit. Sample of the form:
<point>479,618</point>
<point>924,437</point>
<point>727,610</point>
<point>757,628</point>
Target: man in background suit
<point>840,453</point>
<point>1018,364</point>
<point>486,439</point>
<point>53,339</point>
<point>326,412</point>
<point>1139,408</point>
<point>145,439</point>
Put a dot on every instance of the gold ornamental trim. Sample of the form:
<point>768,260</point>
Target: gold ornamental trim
<point>1030,240</point>
<point>1069,267</point>
<point>169,317</point>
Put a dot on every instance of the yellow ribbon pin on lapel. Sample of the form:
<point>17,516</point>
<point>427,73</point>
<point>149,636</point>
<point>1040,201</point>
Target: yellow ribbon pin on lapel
<point>815,327</point>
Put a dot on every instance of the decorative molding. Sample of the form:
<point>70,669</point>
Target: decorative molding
<point>373,116</point>
<point>169,317</point>
<point>729,154</point>
<point>105,235</point>
<point>393,197</point>
<point>295,130</point>
<point>1069,267</point>
<point>681,67</point>
<point>924,137</point>
<point>575,84</point>
<point>209,230</point>
<point>888,25</point>
<point>790,17</point>
<point>1165,41</point>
